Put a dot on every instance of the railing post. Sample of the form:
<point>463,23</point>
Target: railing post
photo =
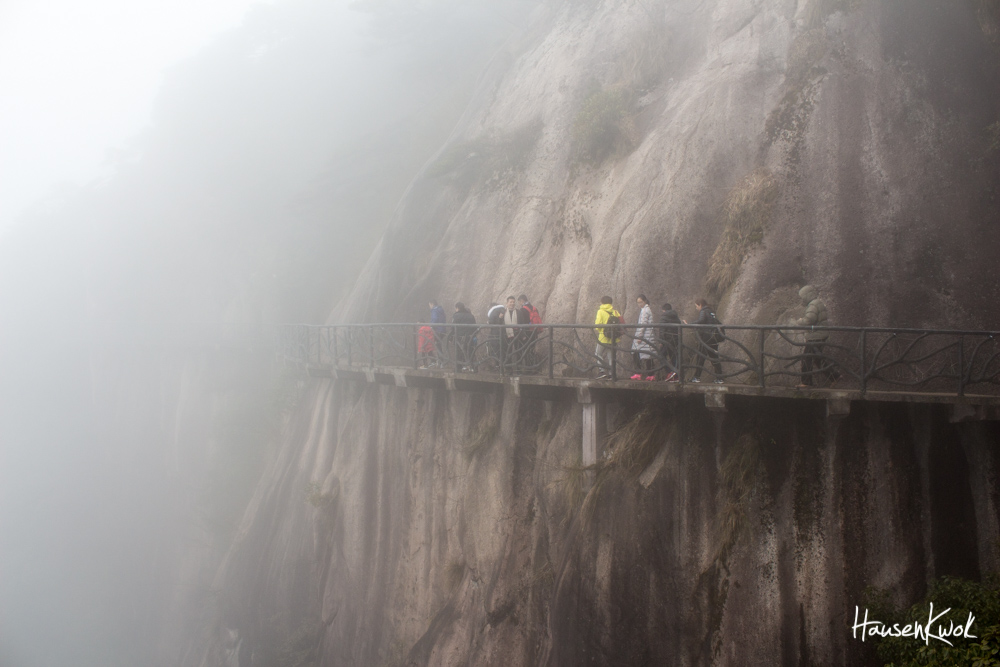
<point>502,342</point>
<point>760,351</point>
<point>680,353</point>
<point>864,370</point>
<point>416,346</point>
<point>614,353</point>
<point>371,346</point>
<point>551,349</point>
<point>454,338</point>
<point>333,346</point>
<point>350,360</point>
<point>961,366</point>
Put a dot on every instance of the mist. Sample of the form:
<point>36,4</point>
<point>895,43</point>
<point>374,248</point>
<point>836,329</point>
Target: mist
<point>140,400</point>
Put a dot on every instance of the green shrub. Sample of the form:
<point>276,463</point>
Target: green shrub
<point>604,125</point>
<point>962,597</point>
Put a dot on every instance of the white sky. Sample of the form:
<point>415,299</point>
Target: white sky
<point>78,78</point>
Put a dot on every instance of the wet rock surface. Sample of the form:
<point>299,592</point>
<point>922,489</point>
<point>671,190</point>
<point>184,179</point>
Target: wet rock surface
<point>411,527</point>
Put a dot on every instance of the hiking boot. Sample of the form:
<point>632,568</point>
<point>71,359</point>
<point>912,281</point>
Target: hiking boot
<point>671,377</point>
<point>695,380</point>
<point>719,381</point>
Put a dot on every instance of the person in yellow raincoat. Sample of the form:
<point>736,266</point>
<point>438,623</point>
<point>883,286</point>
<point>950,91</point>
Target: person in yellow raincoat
<point>607,337</point>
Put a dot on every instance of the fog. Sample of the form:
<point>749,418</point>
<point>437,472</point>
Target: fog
<point>272,159</point>
<point>79,81</point>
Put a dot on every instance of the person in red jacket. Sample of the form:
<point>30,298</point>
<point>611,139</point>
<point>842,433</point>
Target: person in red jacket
<point>531,336</point>
<point>425,347</point>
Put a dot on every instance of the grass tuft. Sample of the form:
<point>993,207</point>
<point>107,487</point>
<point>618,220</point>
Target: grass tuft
<point>634,446</point>
<point>747,212</point>
<point>738,481</point>
<point>988,15</point>
<point>483,433</point>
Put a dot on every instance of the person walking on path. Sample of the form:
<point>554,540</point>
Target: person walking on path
<point>494,317</point>
<point>464,336</point>
<point>531,336</point>
<point>425,347</point>
<point>668,338</point>
<point>437,318</point>
<point>607,337</point>
<point>815,340</point>
<point>512,340</point>
<point>643,342</point>
<point>708,341</point>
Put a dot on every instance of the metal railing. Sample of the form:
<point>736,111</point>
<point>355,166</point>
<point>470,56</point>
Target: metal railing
<point>941,361</point>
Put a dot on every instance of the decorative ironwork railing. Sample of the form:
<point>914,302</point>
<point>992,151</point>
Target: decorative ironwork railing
<point>949,362</point>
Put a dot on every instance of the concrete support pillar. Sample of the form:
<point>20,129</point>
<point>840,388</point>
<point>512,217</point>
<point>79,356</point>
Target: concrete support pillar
<point>593,433</point>
<point>594,430</point>
<point>715,401</point>
<point>838,408</point>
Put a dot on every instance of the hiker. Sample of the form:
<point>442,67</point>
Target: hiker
<point>426,349</point>
<point>494,316</point>
<point>642,342</point>
<point>512,340</point>
<point>708,340</point>
<point>438,317</point>
<point>464,337</point>
<point>815,340</point>
<point>607,337</point>
<point>668,339</point>
<point>531,337</point>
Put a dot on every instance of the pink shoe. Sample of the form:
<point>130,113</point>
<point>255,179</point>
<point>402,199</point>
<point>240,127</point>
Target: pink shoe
<point>650,378</point>
<point>636,377</point>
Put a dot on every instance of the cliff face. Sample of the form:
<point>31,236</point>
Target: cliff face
<point>599,160</point>
<point>411,527</point>
<point>731,148</point>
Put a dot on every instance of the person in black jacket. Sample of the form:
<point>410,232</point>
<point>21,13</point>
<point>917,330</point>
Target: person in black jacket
<point>708,341</point>
<point>463,336</point>
<point>667,336</point>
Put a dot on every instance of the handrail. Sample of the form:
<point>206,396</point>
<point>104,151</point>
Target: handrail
<point>861,358</point>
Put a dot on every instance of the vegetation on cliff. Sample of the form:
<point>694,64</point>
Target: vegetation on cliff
<point>963,599</point>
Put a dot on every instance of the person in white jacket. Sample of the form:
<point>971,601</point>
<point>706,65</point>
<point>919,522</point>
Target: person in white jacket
<point>644,342</point>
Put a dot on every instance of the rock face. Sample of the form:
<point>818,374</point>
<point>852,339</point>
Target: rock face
<point>870,116</point>
<point>412,527</point>
<point>731,148</point>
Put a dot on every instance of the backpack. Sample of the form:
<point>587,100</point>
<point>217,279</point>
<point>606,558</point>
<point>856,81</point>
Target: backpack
<point>614,335</point>
<point>533,314</point>
<point>716,335</point>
